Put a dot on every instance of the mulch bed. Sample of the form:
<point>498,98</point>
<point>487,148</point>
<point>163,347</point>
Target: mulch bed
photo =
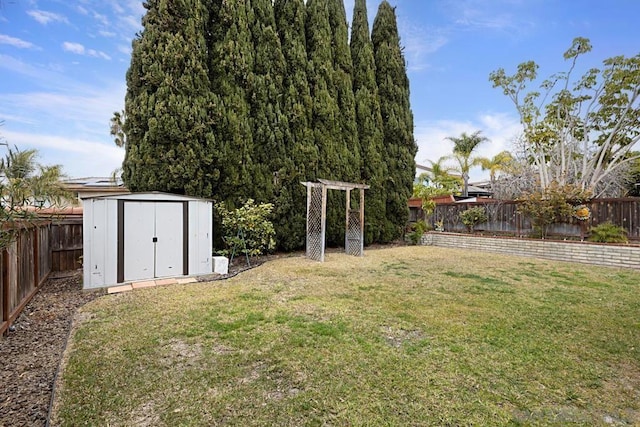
<point>32,350</point>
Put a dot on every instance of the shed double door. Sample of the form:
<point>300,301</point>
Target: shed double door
<point>153,240</point>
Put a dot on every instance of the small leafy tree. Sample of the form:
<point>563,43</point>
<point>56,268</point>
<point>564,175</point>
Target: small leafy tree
<point>554,204</point>
<point>473,216</point>
<point>247,230</point>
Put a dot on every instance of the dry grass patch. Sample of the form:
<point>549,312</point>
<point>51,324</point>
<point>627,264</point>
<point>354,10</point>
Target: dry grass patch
<point>403,336</point>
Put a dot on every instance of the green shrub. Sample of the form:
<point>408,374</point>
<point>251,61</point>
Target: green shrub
<point>474,216</point>
<point>608,233</point>
<point>554,204</point>
<point>247,230</point>
<point>418,229</point>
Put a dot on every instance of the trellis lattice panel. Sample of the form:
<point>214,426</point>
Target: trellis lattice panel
<point>354,234</point>
<point>315,231</point>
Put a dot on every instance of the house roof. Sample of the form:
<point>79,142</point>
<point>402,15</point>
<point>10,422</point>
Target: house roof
<point>94,181</point>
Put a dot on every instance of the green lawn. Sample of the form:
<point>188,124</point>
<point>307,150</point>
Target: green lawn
<point>403,336</point>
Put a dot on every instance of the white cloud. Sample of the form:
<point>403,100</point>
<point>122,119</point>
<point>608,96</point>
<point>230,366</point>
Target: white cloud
<point>76,48</point>
<point>15,42</point>
<point>499,128</point>
<point>41,119</point>
<point>131,23</point>
<point>101,18</point>
<point>495,15</point>
<point>128,15</point>
<point>419,43</point>
<point>79,49</point>
<point>78,157</point>
<point>88,109</point>
<point>45,17</point>
<point>98,54</point>
<point>104,33</point>
<point>126,49</point>
<point>17,66</point>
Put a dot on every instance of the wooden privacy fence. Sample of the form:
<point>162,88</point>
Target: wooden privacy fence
<point>25,264</point>
<point>504,217</point>
<point>66,245</point>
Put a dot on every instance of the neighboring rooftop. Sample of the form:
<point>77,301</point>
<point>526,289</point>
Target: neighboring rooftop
<point>95,186</point>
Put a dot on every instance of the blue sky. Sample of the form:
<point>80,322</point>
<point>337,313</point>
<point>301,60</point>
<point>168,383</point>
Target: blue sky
<point>63,65</point>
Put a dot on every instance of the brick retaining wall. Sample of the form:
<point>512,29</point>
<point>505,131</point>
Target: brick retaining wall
<point>588,253</point>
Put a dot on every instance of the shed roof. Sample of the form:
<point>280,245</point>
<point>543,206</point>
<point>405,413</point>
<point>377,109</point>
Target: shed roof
<point>146,196</point>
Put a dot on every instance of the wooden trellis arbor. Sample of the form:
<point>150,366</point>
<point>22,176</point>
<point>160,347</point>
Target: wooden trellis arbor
<point>316,218</point>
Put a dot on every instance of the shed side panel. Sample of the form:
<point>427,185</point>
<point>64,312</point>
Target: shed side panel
<point>87,241</point>
<point>111,243</point>
<point>200,241</point>
<point>98,241</point>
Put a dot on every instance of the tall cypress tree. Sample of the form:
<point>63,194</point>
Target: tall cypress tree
<point>401,148</point>
<point>369,121</point>
<point>231,64</point>
<point>269,124</point>
<point>168,104</point>
<point>301,154</point>
<point>343,87</point>
<point>326,123</point>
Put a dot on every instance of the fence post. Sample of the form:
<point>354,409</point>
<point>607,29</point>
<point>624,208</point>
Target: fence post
<point>36,257</point>
<point>5,285</point>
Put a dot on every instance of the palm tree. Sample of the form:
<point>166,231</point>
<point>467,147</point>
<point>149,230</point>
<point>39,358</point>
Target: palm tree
<point>463,147</point>
<point>499,162</point>
<point>437,172</point>
<point>24,182</point>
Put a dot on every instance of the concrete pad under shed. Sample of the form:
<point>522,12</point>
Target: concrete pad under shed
<point>187,280</point>
<point>166,282</point>
<point>145,284</point>
<point>118,289</point>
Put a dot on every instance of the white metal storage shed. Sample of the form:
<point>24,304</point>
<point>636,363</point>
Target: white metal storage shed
<point>143,236</point>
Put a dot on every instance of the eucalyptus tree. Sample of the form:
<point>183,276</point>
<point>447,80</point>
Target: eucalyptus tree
<point>579,131</point>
